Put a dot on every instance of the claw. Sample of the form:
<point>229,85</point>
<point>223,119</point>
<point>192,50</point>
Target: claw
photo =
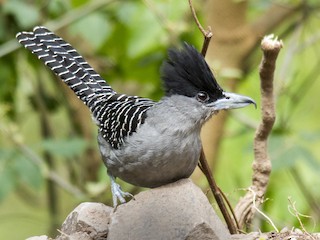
<point>117,193</point>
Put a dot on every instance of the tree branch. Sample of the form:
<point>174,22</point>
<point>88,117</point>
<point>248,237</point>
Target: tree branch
<point>207,34</point>
<point>262,165</point>
<point>203,163</point>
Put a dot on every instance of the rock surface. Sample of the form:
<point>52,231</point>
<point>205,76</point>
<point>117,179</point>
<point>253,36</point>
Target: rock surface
<point>178,210</point>
<point>87,221</point>
<point>175,211</point>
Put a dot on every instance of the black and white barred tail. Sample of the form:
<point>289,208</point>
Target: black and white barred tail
<point>64,61</point>
<point>117,115</point>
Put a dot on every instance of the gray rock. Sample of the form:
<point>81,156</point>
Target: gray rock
<point>87,221</point>
<point>202,231</point>
<point>175,211</point>
<point>249,236</point>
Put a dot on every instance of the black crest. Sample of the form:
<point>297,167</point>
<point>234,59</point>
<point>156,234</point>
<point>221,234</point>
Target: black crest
<point>186,73</point>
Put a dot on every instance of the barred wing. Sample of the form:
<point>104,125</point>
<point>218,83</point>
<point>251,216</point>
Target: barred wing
<point>121,115</point>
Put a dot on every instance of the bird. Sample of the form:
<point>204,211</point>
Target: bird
<point>144,142</point>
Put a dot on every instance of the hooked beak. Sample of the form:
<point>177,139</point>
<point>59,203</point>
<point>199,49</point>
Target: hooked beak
<point>231,101</point>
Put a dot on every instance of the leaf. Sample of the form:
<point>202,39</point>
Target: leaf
<point>7,175</point>
<point>8,182</point>
<point>310,159</point>
<point>27,172</point>
<point>142,38</point>
<point>290,156</point>
<point>94,28</point>
<point>310,136</point>
<point>26,14</point>
<point>65,148</point>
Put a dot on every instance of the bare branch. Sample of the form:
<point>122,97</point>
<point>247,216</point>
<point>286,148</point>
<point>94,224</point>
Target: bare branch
<point>203,163</point>
<point>246,208</point>
<point>218,195</point>
<point>206,34</point>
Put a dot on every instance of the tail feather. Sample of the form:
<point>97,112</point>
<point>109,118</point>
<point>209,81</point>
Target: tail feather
<point>66,62</point>
<point>117,115</point>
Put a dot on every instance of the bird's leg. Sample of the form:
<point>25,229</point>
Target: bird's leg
<point>117,193</point>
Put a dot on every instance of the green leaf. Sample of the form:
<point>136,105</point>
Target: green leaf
<point>142,38</point>
<point>8,182</point>
<point>94,28</point>
<point>310,159</point>
<point>290,156</point>
<point>65,148</point>
<point>58,7</point>
<point>26,14</point>
<point>7,175</point>
<point>27,172</point>
<point>310,136</point>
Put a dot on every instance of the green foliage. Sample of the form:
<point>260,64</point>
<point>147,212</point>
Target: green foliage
<point>7,176</point>
<point>286,155</point>
<point>16,170</point>
<point>95,25</point>
<point>29,174</point>
<point>25,14</point>
<point>67,148</point>
<point>126,41</point>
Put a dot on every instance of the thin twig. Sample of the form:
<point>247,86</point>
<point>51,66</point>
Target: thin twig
<point>218,195</point>
<point>203,163</point>
<point>308,195</point>
<point>207,34</point>
<point>254,195</point>
<point>293,210</point>
<point>230,209</point>
<point>204,32</point>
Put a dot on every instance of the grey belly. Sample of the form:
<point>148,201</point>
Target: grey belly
<point>153,166</point>
<point>157,170</point>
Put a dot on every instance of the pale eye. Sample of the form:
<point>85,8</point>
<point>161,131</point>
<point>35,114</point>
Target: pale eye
<point>202,96</point>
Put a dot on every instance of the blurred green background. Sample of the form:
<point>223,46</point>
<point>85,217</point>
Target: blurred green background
<point>49,159</point>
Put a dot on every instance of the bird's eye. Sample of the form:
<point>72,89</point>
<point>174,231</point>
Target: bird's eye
<point>202,96</point>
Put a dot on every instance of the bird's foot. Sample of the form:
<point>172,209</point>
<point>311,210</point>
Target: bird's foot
<point>118,194</point>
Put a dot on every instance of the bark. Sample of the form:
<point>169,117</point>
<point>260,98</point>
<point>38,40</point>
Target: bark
<point>249,204</point>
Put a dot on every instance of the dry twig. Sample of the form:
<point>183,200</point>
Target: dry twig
<point>259,211</point>
<point>293,210</point>
<point>262,165</point>
<point>203,163</point>
<point>207,34</point>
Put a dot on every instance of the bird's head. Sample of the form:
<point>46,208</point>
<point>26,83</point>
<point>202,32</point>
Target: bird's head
<point>186,73</point>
